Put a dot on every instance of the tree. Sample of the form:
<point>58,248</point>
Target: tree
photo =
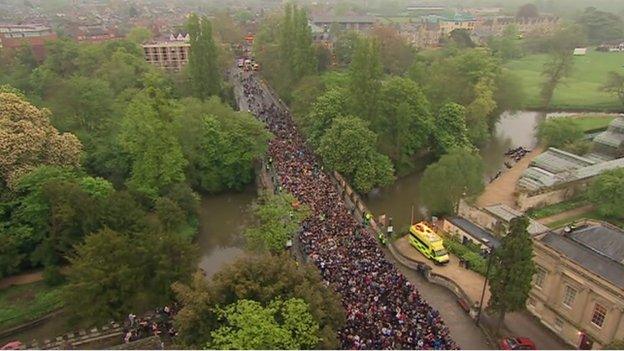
<point>28,140</point>
<point>113,274</point>
<point>203,66</point>
<point>262,278</point>
<point>349,148</point>
<point>344,46</point>
<point>327,107</point>
<point>278,218</point>
<point>513,269</point>
<point>398,54</point>
<point>461,38</point>
<point>606,193</point>
<point>614,85</point>
<point>527,11</point>
<point>601,26</point>
<point>365,73</point>
<point>456,175</point>
<point>248,325</point>
<point>139,35</point>
<point>506,46</point>
<point>479,110</point>
<point>157,159</point>
<point>219,144</point>
<point>451,131</point>
<point>559,133</point>
<point>404,124</point>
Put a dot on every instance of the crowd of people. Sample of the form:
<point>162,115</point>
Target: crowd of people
<point>384,310</point>
<point>159,323</point>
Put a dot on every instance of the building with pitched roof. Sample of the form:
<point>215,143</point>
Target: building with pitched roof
<point>35,36</point>
<point>556,175</point>
<point>578,290</point>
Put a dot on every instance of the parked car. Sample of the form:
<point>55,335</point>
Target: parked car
<point>517,343</point>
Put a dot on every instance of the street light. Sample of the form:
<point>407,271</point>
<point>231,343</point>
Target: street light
<point>487,275</point>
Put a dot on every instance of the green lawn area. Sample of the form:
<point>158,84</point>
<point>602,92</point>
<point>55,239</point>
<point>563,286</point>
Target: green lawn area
<point>592,122</point>
<point>23,303</point>
<point>554,209</point>
<point>580,91</point>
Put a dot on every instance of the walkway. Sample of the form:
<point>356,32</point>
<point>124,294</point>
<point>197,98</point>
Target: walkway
<point>575,212</point>
<point>21,279</point>
<point>501,191</point>
<point>516,324</point>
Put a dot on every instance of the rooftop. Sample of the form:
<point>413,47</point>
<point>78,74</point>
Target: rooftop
<point>343,19</point>
<point>507,213</point>
<point>474,230</point>
<point>596,248</point>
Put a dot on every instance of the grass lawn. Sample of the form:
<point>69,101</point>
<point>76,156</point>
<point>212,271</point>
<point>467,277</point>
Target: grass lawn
<point>580,91</point>
<point>593,122</point>
<point>23,303</point>
<point>554,209</point>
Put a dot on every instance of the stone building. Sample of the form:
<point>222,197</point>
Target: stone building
<point>170,53</point>
<point>557,175</point>
<point>355,22</point>
<point>578,290</point>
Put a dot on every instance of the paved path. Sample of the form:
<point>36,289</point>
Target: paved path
<point>21,279</point>
<point>501,191</point>
<point>567,214</point>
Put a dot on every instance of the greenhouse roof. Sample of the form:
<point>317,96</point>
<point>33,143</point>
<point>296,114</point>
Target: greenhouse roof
<point>610,138</point>
<point>556,161</point>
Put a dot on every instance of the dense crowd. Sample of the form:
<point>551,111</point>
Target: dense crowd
<point>158,323</point>
<point>384,310</point>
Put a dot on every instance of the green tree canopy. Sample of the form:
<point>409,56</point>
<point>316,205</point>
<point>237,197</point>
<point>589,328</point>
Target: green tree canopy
<point>560,133</point>
<point>203,66</point>
<point>451,131</point>
<point>606,193</point>
<point>455,175</point>
<point>262,278</point>
<point>601,26</point>
<point>248,325</point>
<point>278,218</point>
<point>513,270</point>
<point>113,274</point>
<point>349,147</point>
<point>365,72</point>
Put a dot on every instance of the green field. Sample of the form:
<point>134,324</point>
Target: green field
<point>23,303</point>
<point>580,91</point>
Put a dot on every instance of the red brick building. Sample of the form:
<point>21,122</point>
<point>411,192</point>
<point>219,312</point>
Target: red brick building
<point>14,36</point>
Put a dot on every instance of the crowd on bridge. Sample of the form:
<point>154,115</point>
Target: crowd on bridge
<point>158,323</point>
<point>384,310</point>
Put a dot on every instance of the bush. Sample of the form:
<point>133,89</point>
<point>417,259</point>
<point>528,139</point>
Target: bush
<point>474,260</point>
<point>52,276</point>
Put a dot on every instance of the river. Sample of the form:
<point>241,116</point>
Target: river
<point>396,201</point>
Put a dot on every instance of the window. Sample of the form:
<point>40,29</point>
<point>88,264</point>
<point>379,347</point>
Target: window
<point>599,314</point>
<point>558,323</point>
<point>569,295</point>
<point>538,280</point>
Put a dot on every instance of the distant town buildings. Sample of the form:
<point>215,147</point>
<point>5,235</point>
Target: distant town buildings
<point>578,290</point>
<point>557,175</point>
<point>35,36</point>
<point>169,53</point>
<point>356,23</point>
<point>92,33</point>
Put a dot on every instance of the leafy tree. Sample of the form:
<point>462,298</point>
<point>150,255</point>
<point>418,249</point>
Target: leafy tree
<point>203,66</point>
<point>28,140</point>
<point>559,133</point>
<point>281,325</point>
<point>327,107</point>
<point>456,175</point>
<point>601,26</point>
<point>513,269</point>
<point>365,79</point>
<point>262,278</point>
<point>506,46</point>
<point>219,144</point>
<point>278,218</point>
<point>10,254</point>
<point>139,35</point>
<point>398,54</point>
<point>461,38</point>
<point>405,123</point>
<point>157,159</point>
<point>479,110</point>
<point>349,148</point>
<point>345,45</point>
<point>112,274</point>
<point>606,193</point>
<point>451,131</point>
<point>323,57</point>
<point>527,11</point>
<point>170,214</point>
<point>303,96</point>
<point>615,85</point>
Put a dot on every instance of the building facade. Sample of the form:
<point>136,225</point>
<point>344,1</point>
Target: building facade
<point>578,290</point>
<point>35,36</point>
<point>170,54</point>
